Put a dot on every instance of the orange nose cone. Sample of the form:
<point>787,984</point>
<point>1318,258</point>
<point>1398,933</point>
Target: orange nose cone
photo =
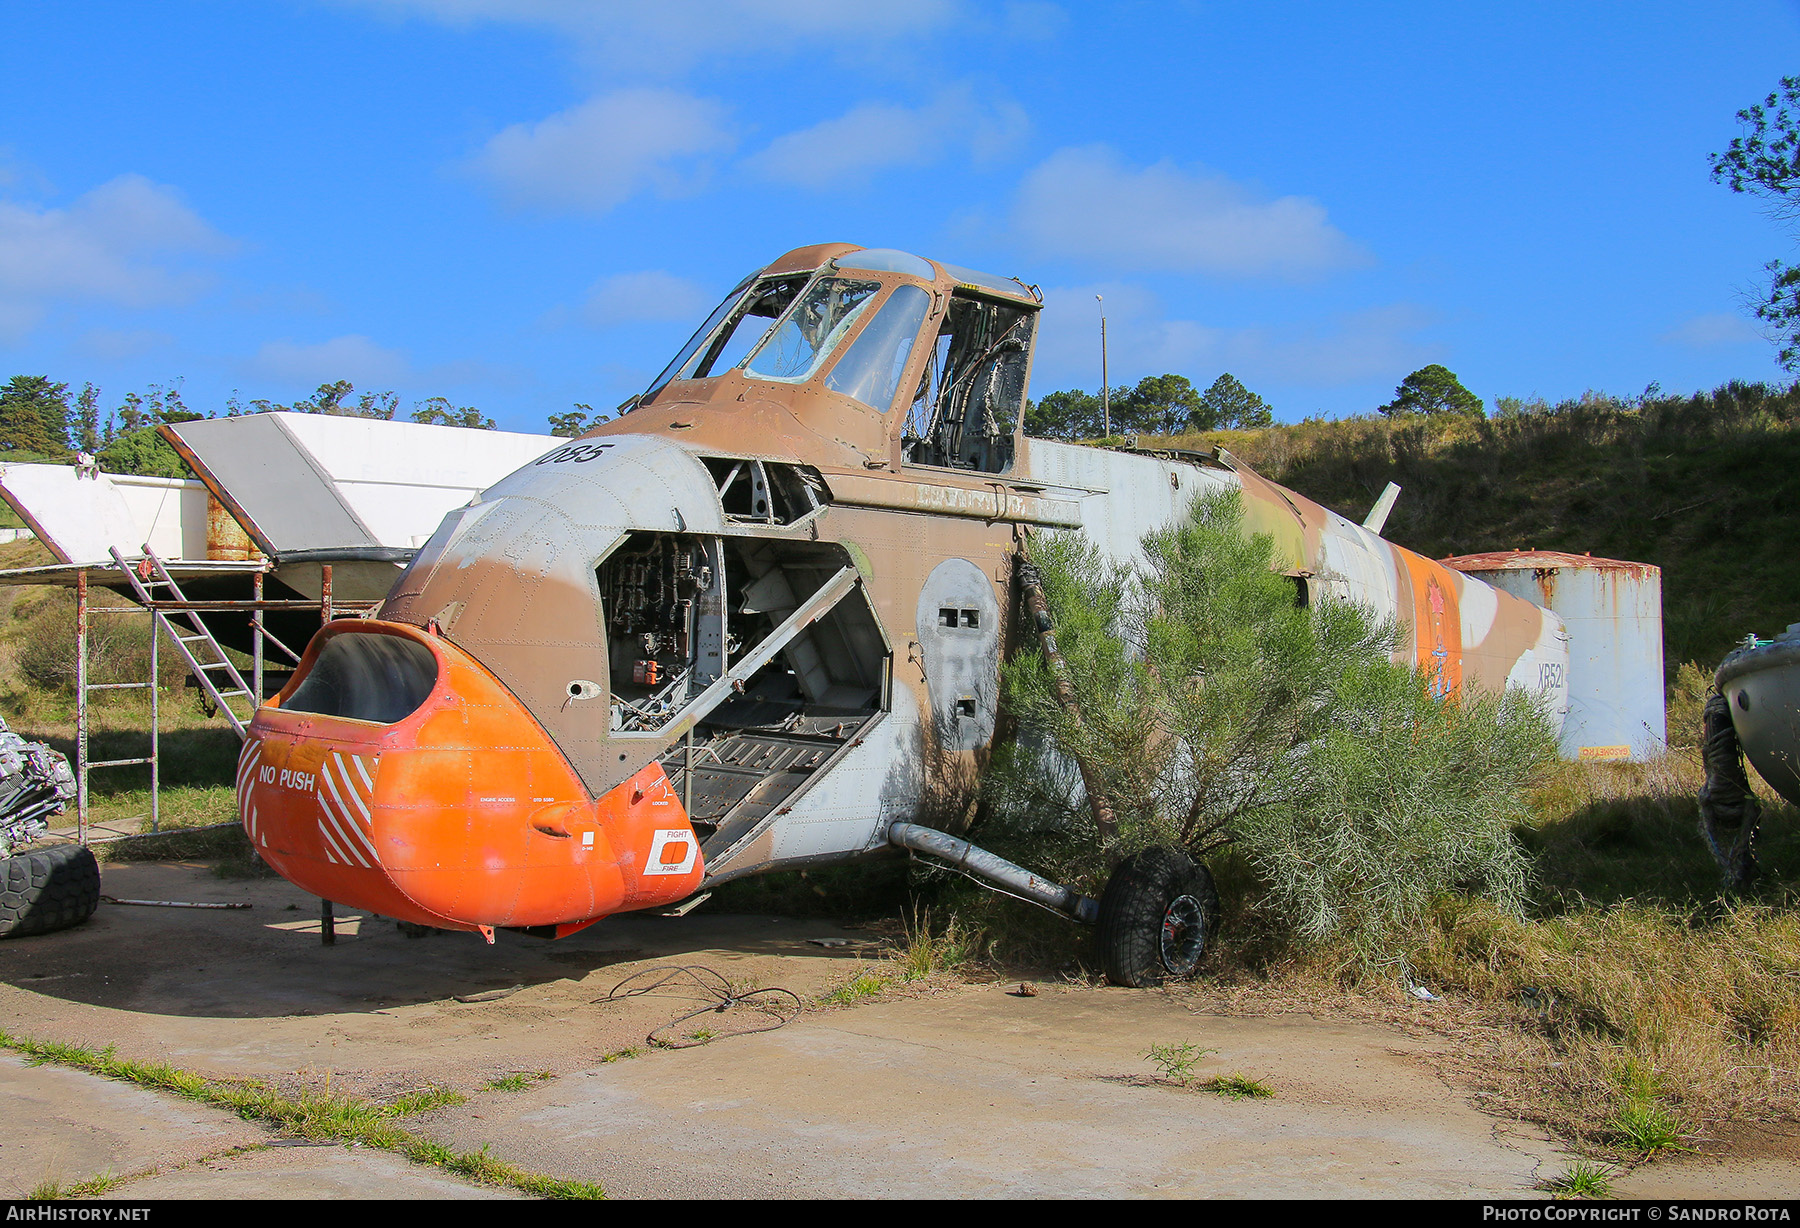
<point>397,775</point>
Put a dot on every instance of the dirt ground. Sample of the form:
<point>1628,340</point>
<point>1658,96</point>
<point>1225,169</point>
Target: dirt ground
<point>964,1091</point>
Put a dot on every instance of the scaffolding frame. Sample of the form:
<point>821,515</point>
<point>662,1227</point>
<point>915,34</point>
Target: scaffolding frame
<point>144,575</point>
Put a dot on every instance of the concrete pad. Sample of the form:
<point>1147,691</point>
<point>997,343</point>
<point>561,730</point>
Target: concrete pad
<point>978,1094</point>
<point>309,1172</point>
<point>67,1126</point>
<point>253,993</point>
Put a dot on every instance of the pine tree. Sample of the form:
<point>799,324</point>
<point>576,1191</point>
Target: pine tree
<point>34,416</point>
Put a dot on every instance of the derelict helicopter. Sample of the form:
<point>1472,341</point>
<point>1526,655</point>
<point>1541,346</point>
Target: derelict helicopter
<point>757,623</point>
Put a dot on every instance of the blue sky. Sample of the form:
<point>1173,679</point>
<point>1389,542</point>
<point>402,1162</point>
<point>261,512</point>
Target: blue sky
<point>523,204</point>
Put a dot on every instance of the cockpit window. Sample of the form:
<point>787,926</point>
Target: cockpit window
<point>872,368</point>
<point>973,390</point>
<point>732,330</point>
<point>811,329</point>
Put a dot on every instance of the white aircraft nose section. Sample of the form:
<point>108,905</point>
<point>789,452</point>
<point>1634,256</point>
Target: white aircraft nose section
<point>619,482</point>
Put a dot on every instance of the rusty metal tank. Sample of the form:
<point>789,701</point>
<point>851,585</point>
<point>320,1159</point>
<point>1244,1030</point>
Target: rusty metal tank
<point>1613,612</point>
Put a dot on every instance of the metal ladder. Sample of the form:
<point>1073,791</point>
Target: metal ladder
<point>204,672</point>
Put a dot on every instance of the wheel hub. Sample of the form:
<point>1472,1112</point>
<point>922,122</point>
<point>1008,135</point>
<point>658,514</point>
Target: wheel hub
<point>1183,935</point>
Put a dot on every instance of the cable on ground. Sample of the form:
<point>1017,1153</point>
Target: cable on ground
<point>779,1006</point>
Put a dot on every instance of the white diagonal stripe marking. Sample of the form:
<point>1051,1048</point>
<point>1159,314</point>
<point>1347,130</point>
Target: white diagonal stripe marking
<point>360,836</point>
<point>351,790</point>
<point>338,825</point>
<point>331,844</point>
<point>247,763</point>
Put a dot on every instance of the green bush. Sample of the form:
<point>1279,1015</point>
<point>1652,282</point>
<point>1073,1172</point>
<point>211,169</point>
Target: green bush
<point>118,646</point>
<point>1216,710</point>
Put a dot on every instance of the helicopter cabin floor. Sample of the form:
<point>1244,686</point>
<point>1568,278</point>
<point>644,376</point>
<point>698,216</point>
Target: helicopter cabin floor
<point>751,757</point>
<point>968,1090</point>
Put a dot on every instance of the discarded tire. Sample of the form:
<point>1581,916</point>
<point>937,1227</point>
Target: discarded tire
<point>1157,915</point>
<point>50,889</point>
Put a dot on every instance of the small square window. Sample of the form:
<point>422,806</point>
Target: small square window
<point>971,618</point>
<point>946,618</point>
<point>965,708</point>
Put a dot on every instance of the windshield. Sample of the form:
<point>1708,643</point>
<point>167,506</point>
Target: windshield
<point>732,329</point>
<point>811,329</point>
<point>872,368</point>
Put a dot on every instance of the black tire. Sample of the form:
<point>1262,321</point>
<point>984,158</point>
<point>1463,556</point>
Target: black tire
<point>1157,917</point>
<point>50,889</point>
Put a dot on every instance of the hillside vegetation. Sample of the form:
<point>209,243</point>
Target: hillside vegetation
<point>1703,486</point>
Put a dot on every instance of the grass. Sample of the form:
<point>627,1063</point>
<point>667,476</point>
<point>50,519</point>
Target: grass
<point>1582,1179</point>
<point>1176,1062</point>
<point>621,1055</point>
<point>309,1114</point>
<point>1237,1086</point>
<point>865,983</point>
<point>423,1101</point>
<point>52,1191</point>
<point>520,1080</point>
<point>925,954</point>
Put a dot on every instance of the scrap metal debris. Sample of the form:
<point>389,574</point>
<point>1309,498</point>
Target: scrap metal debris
<point>113,899</point>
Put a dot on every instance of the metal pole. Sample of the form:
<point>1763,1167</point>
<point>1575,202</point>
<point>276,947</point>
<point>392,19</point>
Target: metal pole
<point>256,641</point>
<point>327,924</point>
<point>687,778</point>
<point>155,721</point>
<point>1014,879</point>
<point>81,708</point>
<point>1105,382</point>
<point>325,593</point>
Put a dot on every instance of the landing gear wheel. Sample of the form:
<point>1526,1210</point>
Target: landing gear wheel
<point>50,889</point>
<point>1157,915</point>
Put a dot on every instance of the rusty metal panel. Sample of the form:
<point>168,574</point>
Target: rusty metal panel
<point>225,537</point>
<point>1613,612</point>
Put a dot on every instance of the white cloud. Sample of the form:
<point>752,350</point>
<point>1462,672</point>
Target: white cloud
<point>1715,329</point>
<point>118,345</point>
<point>878,135</point>
<point>1033,19</point>
<point>128,242</point>
<point>1086,204</point>
<point>355,358</point>
<point>1376,342</point>
<point>673,33</point>
<point>626,298</point>
<point>595,155</point>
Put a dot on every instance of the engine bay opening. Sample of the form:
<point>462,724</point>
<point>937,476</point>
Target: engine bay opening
<point>681,610</point>
<point>770,645</point>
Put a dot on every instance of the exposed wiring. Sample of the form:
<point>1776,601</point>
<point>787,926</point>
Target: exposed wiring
<point>780,1006</point>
